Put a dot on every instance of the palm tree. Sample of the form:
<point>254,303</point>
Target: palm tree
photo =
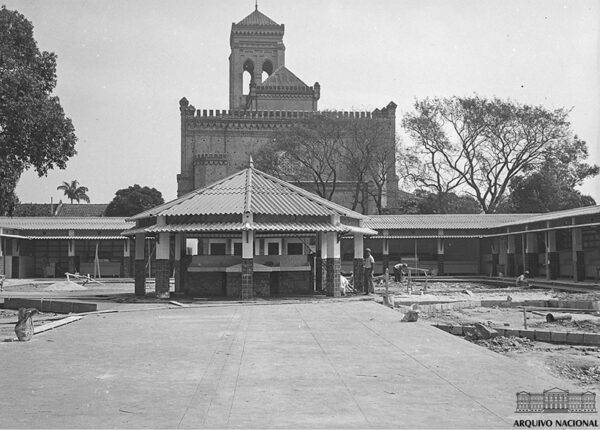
<point>74,192</point>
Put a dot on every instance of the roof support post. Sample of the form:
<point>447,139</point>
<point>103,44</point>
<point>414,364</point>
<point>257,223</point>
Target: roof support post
<point>358,269</point>
<point>322,262</point>
<point>510,256</point>
<point>248,259</point>
<point>552,255</point>
<point>578,254</point>
<point>71,253</point>
<point>385,251</point>
<point>440,252</point>
<point>179,251</point>
<point>332,284</point>
<point>162,270</point>
<point>140,265</point>
<point>531,251</point>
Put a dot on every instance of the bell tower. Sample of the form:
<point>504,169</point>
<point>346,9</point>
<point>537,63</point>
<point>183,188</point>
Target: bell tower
<point>256,46</point>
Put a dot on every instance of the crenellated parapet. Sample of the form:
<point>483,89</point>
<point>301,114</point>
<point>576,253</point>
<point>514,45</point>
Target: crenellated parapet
<point>191,113</point>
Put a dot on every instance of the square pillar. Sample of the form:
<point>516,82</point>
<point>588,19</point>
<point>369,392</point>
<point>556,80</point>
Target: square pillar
<point>385,252</point>
<point>72,267</point>
<point>578,255</point>
<point>162,270</point>
<point>334,263</point>
<point>440,253</point>
<point>531,254</point>
<point>126,266</point>
<point>140,265</point>
<point>511,266</point>
<point>248,264</point>
<point>552,256</point>
<point>163,266</point>
<point>495,251</point>
<point>323,262</point>
<point>179,251</point>
<point>358,269</point>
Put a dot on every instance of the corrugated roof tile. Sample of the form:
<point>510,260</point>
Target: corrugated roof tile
<point>65,223</point>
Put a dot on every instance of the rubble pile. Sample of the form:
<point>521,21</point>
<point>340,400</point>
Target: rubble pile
<point>584,373</point>
<point>503,344</point>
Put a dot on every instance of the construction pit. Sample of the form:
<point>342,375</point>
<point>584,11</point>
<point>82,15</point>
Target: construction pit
<point>558,331</point>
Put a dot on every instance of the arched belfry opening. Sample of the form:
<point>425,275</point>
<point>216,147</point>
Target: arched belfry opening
<point>257,50</point>
<point>267,69</point>
<point>247,77</point>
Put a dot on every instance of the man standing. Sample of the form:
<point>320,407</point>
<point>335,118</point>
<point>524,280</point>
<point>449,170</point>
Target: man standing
<point>368,263</point>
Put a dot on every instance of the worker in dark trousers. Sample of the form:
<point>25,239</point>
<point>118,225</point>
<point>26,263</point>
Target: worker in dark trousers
<point>368,264</point>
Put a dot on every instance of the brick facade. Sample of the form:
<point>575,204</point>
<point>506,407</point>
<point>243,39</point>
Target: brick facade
<point>358,273</point>
<point>140,278</point>
<point>531,263</point>
<point>126,267</point>
<point>440,264</point>
<point>247,278</point>
<point>162,278</point>
<point>333,277</point>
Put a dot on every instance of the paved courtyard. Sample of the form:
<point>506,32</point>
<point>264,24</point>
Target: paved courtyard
<point>329,364</point>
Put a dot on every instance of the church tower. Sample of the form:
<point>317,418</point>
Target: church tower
<point>257,50</point>
<point>256,45</point>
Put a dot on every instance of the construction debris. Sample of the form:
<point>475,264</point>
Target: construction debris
<point>552,317</point>
<point>24,328</point>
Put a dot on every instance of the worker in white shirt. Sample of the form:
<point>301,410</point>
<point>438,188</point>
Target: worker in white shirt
<point>368,264</point>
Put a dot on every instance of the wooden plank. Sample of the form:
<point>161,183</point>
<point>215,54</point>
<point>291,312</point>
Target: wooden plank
<point>173,302</point>
<point>54,324</point>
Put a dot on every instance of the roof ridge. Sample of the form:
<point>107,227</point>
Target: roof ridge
<point>185,197</point>
<point>307,194</point>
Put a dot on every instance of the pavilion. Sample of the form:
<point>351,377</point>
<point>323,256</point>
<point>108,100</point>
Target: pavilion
<point>247,235</point>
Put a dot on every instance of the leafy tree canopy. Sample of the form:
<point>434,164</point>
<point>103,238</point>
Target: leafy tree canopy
<point>34,131</point>
<point>480,146</point>
<point>132,200</point>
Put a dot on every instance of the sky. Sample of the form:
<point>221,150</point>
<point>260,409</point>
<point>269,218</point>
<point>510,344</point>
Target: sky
<point>123,65</point>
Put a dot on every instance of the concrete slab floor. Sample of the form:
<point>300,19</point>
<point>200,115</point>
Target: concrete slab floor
<point>308,365</point>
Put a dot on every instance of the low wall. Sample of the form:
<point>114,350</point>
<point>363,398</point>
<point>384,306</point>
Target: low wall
<point>569,338</point>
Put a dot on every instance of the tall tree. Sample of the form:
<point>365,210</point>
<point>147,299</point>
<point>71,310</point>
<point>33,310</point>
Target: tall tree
<point>34,131</point>
<point>485,144</point>
<point>74,191</point>
<point>326,149</point>
<point>132,200</point>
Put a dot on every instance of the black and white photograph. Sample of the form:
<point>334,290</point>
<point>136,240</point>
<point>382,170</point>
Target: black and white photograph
<point>299,214</point>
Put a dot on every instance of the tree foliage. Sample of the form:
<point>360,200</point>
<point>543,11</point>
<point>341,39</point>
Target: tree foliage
<point>325,150</point>
<point>132,200</point>
<point>481,146</point>
<point>34,131</point>
<point>74,191</point>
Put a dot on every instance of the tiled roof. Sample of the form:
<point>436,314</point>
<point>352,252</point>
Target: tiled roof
<point>65,223</point>
<point>81,210</point>
<point>34,209</point>
<point>445,221</point>
<point>550,216</point>
<point>282,77</point>
<point>257,18</point>
<point>304,227</point>
<point>249,190</point>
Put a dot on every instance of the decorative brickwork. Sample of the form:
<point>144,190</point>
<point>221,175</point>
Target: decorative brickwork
<point>440,264</point>
<point>531,263</point>
<point>334,266</point>
<point>140,278</point>
<point>205,284</point>
<point>291,283</point>
<point>163,274</point>
<point>323,275</point>
<point>126,267</point>
<point>358,274</point>
<point>247,278</point>
<point>554,265</point>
